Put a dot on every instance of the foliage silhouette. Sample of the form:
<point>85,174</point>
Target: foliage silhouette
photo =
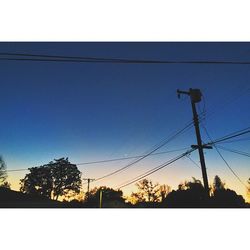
<point>14,199</point>
<point>3,173</point>
<point>218,184</point>
<point>189,194</point>
<point>52,180</point>
<point>45,184</point>
<point>192,194</point>
<point>164,190</point>
<point>147,191</point>
<point>110,198</point>
<point>222,197</point>
<point>6,184</point>
<point>248,189</point>
<point>73,196</point>
<point>226,198</point>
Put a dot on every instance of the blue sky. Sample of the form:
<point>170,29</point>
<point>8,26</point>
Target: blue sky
<point>98,111</point>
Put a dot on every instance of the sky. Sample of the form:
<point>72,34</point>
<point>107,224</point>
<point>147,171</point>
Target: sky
<point>90,112</point>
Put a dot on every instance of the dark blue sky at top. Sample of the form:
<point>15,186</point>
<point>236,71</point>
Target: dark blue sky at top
<point>95,111</point>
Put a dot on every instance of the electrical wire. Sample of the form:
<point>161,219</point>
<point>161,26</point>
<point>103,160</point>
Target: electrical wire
<point>235,151</point>
<point>77,59</point>
<point>195,163</point>
<point>109,160</point>
<point>230,168</point>
<point>232,99</point>
<point>169,139</point>
<point>163,143</point>
<point>230,136</point>
<point>130,157</point>
<point>233,141</point>
<point>149,172</point>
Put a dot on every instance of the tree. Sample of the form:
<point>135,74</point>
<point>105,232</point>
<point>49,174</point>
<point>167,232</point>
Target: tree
<point>189,194</point>
<point>218,184</point>
<point>224,197</point>
<point>164,190</point>
<point>147,191</point>
<point>52,180</point>
<point>227,198</point>
<point>110,197</point>
<point>3,173</point>
<point>194,184</point>
<point>248,189</point>
<point>6,184</point>
<point>73,196</point>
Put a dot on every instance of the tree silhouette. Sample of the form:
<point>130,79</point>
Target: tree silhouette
<point>223,197</point>
<point>147,191</point>
<point>52,180</point>
<point>194,184</point>
<point>218,184</point>
<point>3,173</point>
<point>164,190</point>
<point>227,198</point>
<point>248,189</point>
<point>110,197</point>
<point>6,184</point>
<point>73,196</point>
<point>189,194</point>
<point>192,194</point>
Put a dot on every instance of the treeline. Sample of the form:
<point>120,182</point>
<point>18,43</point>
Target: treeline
<point>190,194</point>
<point>59,184</point>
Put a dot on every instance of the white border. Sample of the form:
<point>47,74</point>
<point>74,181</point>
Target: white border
<point>129,20</point>
<point>125,229</point>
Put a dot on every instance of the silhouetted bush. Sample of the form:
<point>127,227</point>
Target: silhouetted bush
<point>14,199</point>
<point>110,198</point>
<point>227,198</point>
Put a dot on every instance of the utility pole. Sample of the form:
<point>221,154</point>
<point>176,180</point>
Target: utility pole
<point>195,97</point>
<point>100,202</point>
<point>88,180</point>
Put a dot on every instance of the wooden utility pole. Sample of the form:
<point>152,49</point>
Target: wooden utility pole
<point>195,97</point>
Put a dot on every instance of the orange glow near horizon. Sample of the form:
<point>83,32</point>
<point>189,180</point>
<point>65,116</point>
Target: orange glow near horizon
<point>171,176</point>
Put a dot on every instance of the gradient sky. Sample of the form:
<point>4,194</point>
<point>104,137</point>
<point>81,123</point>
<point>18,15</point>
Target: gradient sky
<point>99,111</point>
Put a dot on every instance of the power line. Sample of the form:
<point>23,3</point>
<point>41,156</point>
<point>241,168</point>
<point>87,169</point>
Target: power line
<point>161,144</point>
<point>230,136</point>
<point>146,155</point>
<point>129,157</point>
<point>230,168</point>
<point>235,151</point>
<point>232,141</point>
<point>110,160</point>
<point>138,178</point>
<point>220,140</point>
<point>77,59</point>
<point>151,171</point>
<point>56,56</point>
<point>158,146</point>
<point>230,100</point>
<point>195,163</point>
